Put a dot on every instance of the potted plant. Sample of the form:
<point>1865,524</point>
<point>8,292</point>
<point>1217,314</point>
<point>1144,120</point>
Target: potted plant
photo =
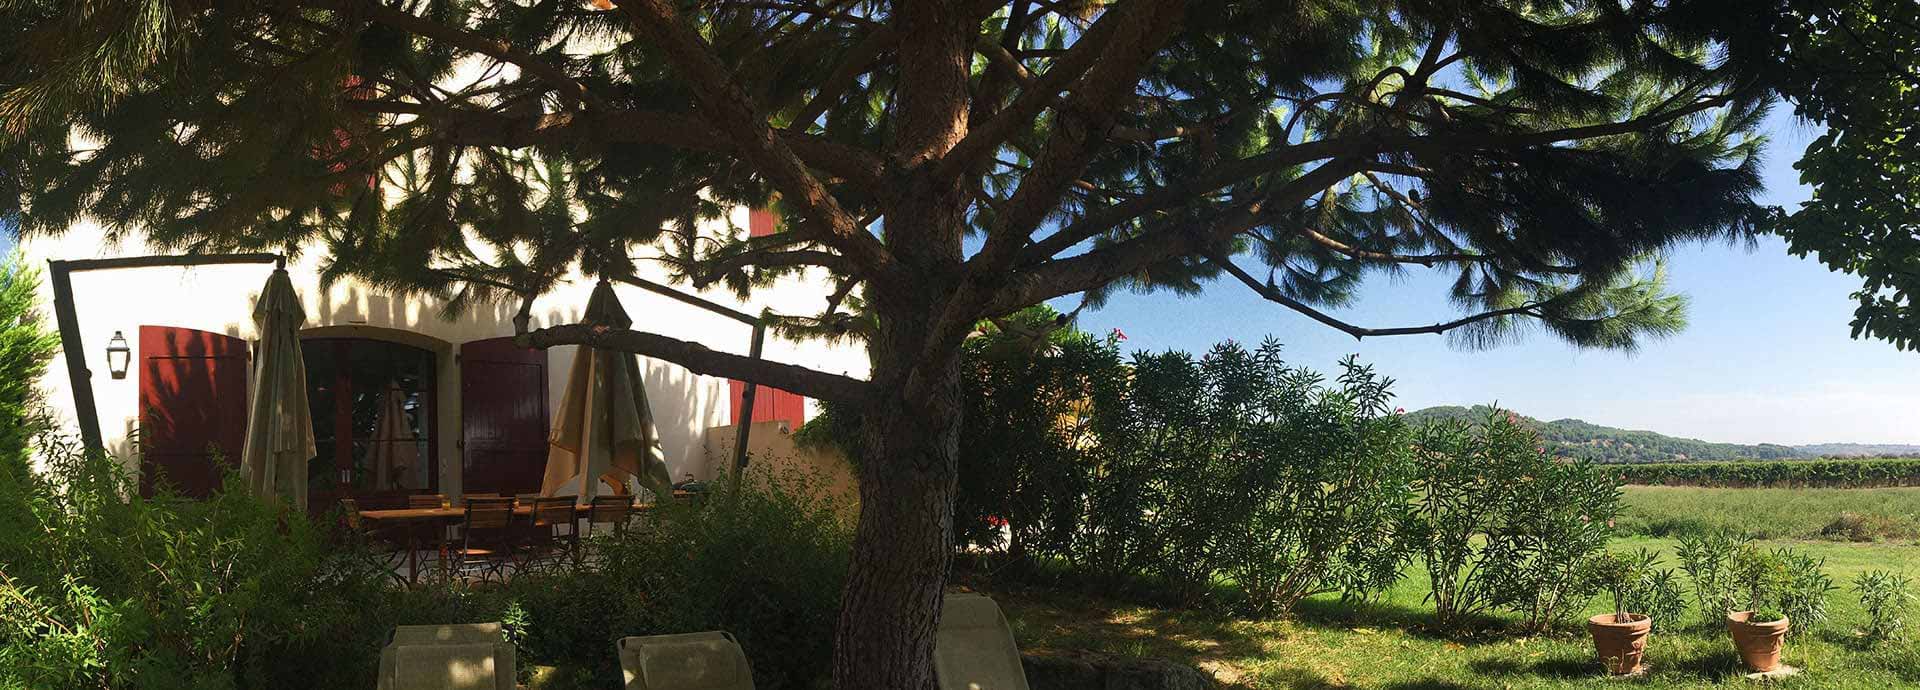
<point>1781,585</point>
<point>1620,638</point>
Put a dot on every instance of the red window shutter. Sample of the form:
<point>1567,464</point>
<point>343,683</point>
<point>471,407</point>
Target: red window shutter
<point>503,412</point>
<point>769,404</point>
<point>759,223</point>
<point>193,408</point>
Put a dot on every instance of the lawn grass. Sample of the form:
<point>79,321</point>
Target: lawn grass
<point>1891,514</point>
<point>1390,644</point>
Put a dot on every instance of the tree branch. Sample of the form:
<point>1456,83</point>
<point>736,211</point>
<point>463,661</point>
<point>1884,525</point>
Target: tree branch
<point>1367,144</point>
<point>987,136</point>
<point>485,128</point>
<point>570,89</point>
<point>701,360</point>
<point>1093,269</point>
<point>1273,294</point>
<point>723,101</point>
<point>1427,260</point>
<point>769,258</point>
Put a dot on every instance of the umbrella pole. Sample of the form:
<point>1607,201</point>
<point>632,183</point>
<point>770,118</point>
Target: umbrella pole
<point>746,410</point>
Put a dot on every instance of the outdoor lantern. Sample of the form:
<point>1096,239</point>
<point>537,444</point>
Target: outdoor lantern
<point>118,355</point>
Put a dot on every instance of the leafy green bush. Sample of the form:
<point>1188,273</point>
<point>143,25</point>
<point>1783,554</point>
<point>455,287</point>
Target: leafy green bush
<point>1503,526</point>
<point>1636,583</point>
<point>766,562</point>
<point>1029,430</point>
<point>1707,559</point>
<point>1884,595</point>
<point>104,588</point>
<point>1238,467</point>
<point>1317,488</point>
<point>1783,583</point>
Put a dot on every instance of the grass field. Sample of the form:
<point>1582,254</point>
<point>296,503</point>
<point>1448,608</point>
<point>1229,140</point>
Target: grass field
<point>1391,644</point>
<point>1672,511</point>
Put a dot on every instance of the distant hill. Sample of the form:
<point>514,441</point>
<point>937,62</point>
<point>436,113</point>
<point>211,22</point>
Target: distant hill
<point>1580,439</point>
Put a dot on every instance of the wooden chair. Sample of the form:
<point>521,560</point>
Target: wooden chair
<point>426,500</point>
<point>613,511</point>
<point>486,537</point>
<point>525,499</point>
<point>385,551</point>
<point>550,514</point>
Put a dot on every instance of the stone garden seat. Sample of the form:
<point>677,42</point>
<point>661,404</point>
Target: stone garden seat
<point>688,661</point>
<point>974,649</point>
<point>447,657</point>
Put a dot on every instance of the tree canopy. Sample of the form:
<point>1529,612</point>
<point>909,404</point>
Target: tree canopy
<point>944,161</point>
<point>1856,70</point>
<point>1540,150</point>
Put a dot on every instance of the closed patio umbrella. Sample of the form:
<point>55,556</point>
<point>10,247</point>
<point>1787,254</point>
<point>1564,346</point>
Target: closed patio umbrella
<point>279,426</point>
<point>396,450</point>
<point>605,428</point>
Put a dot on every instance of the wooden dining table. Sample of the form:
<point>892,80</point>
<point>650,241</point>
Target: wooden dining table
<point>406,518</point>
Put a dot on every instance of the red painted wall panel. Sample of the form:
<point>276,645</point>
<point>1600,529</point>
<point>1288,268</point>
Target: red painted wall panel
<point>193,407</point>
<point>768,404</point>
<point>759,223</point>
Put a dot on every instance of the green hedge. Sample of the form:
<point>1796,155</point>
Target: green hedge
<point>1850,473</point>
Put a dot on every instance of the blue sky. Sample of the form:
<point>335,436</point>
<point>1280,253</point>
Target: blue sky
<point>1766,356</point>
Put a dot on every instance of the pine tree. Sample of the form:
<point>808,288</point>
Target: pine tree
<point>27,346</point>
<point>945,160</point>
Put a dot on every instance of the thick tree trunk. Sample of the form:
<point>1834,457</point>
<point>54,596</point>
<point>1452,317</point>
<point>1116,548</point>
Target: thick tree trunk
<point>908,472</point>
<point>891,607</point>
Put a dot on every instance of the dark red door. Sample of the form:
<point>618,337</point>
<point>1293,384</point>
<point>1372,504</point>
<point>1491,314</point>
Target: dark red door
<point>193,408</point>
<point>503,412</point>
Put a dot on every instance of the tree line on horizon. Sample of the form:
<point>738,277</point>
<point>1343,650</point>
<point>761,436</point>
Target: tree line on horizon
<point>1584,440</point>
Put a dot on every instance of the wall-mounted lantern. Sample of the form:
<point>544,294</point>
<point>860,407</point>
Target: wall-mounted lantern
<point>118,356</point>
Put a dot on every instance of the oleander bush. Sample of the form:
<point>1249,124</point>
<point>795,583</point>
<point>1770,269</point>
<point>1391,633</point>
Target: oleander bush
<point>1708,561</point>
<point>1501,525</point>
<point>1885,596</point>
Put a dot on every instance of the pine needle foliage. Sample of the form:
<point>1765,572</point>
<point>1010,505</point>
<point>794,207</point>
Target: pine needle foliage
<point>362,128</point>
<point>27,346</point>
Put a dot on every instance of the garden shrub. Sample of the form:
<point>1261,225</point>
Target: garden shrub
<point>1238,467</point>
<point>1787,582</point>
<point>1029,426</point>
<point>1707,559</point>
<point>1637,584</point>
<point>1316,486</point>
<point>1501,525</point>
<point>765,562</point>
<point>1884,595</point>
<point>108,589</point>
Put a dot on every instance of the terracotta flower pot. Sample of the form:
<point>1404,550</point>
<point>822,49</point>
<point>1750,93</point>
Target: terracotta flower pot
<point>1621,646</point>
<point>1759,643</point>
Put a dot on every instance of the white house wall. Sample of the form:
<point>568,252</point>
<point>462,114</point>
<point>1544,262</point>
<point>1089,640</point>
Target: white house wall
<point>220,299</point>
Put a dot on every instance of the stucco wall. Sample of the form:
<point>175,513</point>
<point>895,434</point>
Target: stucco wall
<point>220,299</point>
